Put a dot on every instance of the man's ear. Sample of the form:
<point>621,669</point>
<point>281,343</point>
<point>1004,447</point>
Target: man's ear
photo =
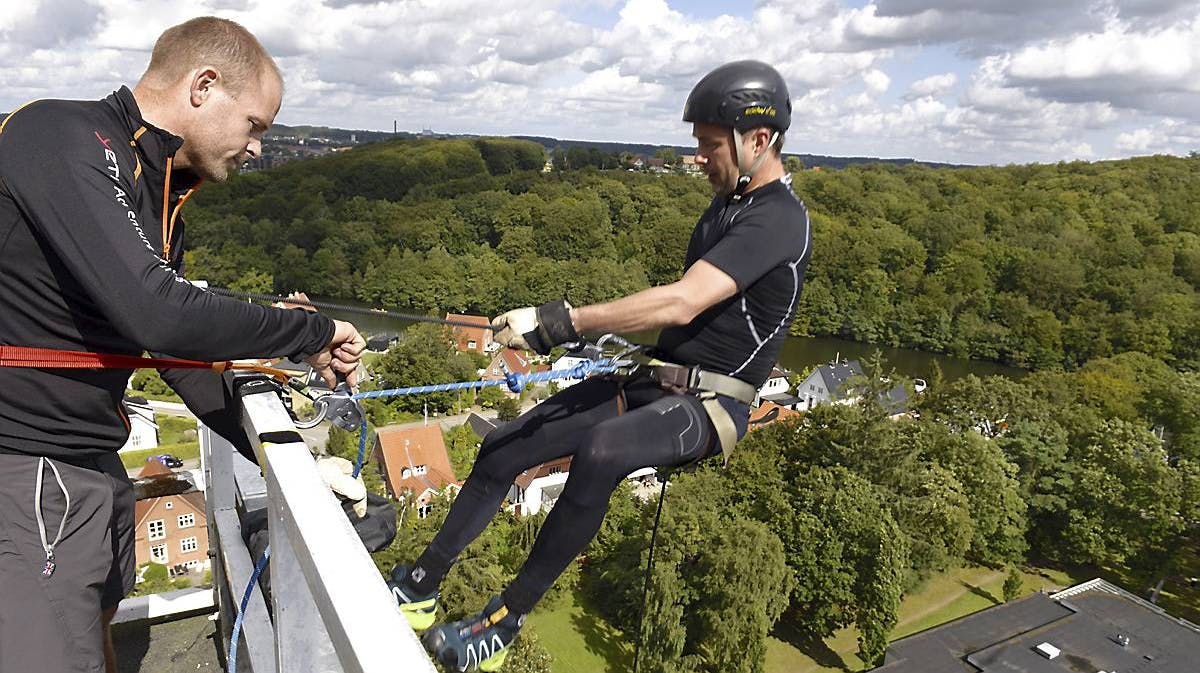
<point>762,139</point>
<point>204,82</point>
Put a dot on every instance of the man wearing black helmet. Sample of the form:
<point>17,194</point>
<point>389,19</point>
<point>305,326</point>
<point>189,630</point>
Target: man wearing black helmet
<point>723,324</point>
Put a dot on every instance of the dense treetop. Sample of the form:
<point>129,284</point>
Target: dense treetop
<point>1038,266</point>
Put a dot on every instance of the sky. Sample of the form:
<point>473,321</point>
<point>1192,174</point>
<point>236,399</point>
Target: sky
<point>965,81</point>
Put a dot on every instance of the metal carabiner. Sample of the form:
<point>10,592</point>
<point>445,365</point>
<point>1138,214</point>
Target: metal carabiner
<point>338,406</point>
<point>342,409</point>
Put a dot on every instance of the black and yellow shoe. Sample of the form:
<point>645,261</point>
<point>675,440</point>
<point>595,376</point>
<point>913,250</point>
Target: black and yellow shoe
<point>419,609</point>
<point>476,643</point>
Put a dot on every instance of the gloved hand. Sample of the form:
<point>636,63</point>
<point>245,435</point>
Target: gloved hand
<point>537,329</point>
<point>335,472</point>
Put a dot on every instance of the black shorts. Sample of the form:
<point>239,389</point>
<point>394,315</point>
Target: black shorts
<point>53,623</point>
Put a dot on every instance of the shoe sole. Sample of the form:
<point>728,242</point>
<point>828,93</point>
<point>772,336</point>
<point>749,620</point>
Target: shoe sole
<point>420,615</point>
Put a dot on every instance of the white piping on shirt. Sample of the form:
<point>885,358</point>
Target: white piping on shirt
<point>795,294</point>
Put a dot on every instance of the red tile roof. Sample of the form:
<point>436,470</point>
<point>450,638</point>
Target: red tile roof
<point>464,335</point>
<point>516,361</point>
<point>155,468</point>
<point>526,478</point>
<point>768,413</point>
<point>403,449</point>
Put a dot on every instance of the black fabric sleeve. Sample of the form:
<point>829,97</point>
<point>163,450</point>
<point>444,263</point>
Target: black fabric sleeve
<point>758,242</point>
<point>77,193</point>
<point>209,396</point>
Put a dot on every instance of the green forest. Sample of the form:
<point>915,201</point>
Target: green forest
<point>1086,274</point>
<point>1036,266</point>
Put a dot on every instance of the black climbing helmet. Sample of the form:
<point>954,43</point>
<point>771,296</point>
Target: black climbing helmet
<point>742,95</point>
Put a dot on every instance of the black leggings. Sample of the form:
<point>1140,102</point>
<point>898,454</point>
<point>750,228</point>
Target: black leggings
<point>584,422</point>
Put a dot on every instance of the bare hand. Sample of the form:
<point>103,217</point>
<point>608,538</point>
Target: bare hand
<point>341,356</point>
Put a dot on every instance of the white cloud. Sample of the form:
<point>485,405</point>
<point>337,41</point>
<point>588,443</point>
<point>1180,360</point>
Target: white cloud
<point>1004,80</point>
<point>1150,70</point>
<point>1168,136</point>
<point>934,85</point>
<point>876,80</point>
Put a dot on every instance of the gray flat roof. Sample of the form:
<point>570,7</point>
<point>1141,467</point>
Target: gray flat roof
<point>1083,625</point>
<point>180,646</point>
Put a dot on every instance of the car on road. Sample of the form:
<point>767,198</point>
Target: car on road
<point>167,459</point>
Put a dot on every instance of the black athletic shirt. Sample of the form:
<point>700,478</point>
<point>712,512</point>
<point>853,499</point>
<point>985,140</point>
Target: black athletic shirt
<point>81,269</point>
<point>763,242</point>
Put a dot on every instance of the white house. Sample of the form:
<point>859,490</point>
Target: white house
<point>537,489</point>
<point>776,384</point>
<point>143,431</point>
<point>827,385</point>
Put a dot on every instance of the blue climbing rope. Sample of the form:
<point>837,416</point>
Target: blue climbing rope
<point>362,448</point>
<point>516,382</point>
<point>237,623</point>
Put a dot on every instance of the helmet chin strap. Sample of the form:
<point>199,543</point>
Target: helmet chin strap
<point>747,174</point>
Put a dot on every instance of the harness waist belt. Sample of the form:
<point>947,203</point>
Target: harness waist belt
<point>707,385</point>
<point>695,378</point>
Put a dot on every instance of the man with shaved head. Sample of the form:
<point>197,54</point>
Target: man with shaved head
<point>91,256</point>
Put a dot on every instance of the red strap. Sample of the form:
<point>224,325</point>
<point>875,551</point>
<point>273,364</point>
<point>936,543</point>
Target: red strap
<point>25,356</point>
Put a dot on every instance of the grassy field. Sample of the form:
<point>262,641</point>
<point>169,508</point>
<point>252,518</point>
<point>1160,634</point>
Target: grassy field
<point>582,643</point>
<point>579,641</point>
<point>943,598</point>
<point>176,436</point>
<point>182,450</point>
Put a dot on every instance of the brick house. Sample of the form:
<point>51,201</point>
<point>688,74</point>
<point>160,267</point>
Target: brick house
<point>171,530</point>
<point>478,339</point>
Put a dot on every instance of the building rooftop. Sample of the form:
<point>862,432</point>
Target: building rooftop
<point>404,450</point>
<point>181,646</point>
<point>1088,623</point>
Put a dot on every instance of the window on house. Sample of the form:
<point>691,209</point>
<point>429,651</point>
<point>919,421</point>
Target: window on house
<point>157,529</point>
<point>421,469</point>
<point>424,510</point>
<point>555,470</point>
<point>188,544</point>
<point>187,520</point>
<point>158,553</point>
<point>170,505</point>
<point>471,344</point>
<point>405,473</point>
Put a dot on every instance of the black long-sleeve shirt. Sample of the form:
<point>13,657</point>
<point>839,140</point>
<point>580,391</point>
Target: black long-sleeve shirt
<point>83,229</point>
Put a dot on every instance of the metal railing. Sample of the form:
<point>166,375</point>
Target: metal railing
<point>330,609</point>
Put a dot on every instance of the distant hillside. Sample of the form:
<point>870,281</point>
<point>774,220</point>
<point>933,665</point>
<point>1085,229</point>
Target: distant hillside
<point>361,136</point>
<point>810,160</point>
<point>342,135</point>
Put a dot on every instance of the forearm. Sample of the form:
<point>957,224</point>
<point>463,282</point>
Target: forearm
<point>208,396</point>
<point>654,308</point>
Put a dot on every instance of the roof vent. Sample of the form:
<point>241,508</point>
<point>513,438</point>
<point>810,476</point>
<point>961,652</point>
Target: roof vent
<point>1047,650</point>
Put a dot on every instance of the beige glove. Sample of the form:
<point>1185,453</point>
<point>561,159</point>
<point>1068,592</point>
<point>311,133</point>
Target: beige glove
<point>335,472</point>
